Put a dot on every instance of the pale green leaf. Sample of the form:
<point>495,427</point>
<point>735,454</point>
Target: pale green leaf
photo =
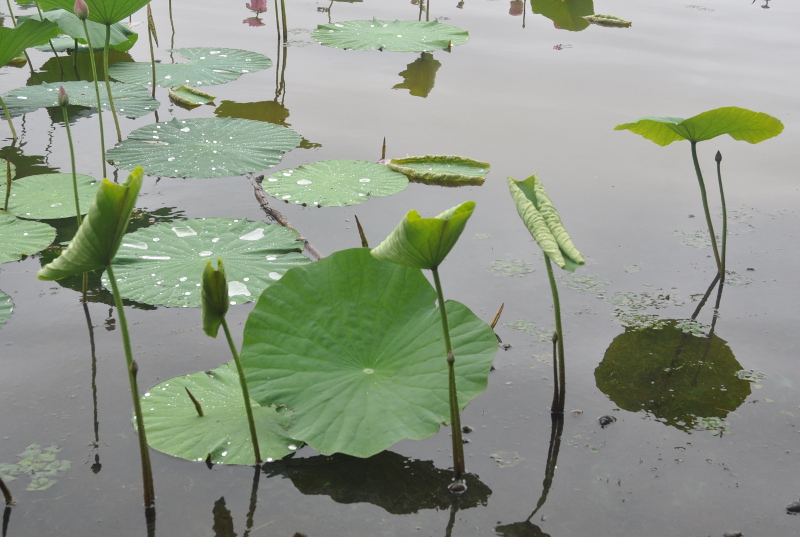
<point>610,21</point>
<point>354,346</point>
<point>443,170</point>
<point>29,33</point>
<point>565,14</point>
<point>405,36</point>
<point>121,38</point>
<point>189,97</point>
<point>543,222</point>
<point>21,237</point>
<point>49,196</point>
<point>102,11</point>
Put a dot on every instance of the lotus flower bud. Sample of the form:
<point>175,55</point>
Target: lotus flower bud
<point>81,10</point>
<point>63,98</point>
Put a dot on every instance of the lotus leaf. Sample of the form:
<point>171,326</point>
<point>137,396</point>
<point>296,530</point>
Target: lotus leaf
<point>122,38</point>
<point>610,21</point>
<point>189,97</point>
<point>44,197</point>
<point>102,11</point>
<point>6,307</point>
<point>424,242</point>
<point>565,14</point>
<point>100,234</point>
<point>164,264</point>
<point>444,170</point>
<point>204,148</point>
<point>20,237</point>
<point>206,67</point>
<point>174,426</point>
<point>334,183</point>
<point>544,223</point>
<point>404,36</point>
<point>397,484</point>
<point>354,346</point>
<point>675,376</point>
<point>131,101</point>
<point>4,172</point>
<point>29,33</point>
<point>739,123</point>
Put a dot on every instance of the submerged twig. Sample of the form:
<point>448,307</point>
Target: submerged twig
<point>273,213</point>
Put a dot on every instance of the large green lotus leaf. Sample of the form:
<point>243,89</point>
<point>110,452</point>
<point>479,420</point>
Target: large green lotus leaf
<point>206,67</point>
<point>404,36</point>
<point>97,240</point>
<point>45,197</point>
<point>121,38</point>
<point>204,148</point>
<point>399,485</point>
<point>739,123</point>
<point>354,346</point>
<point>675,376</point>
<point>29,33</point>
<point>424,242</point>
<point>174,426</point>
<point>102,11</point>
<point>443,170</point>
<point>334,183</point>
<point>131,101</point>
<point>164,264</point>
<point>21,237</point>
<point>6,307</point>
<point>566,14</point>
<point>544,223</point>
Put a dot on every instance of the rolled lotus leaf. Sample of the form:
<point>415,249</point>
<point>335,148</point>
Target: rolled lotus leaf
<point>544,223</point>
<point>99,237</point>
<point>215,297</point>
<point>424,242</point>
<point>611,21</point>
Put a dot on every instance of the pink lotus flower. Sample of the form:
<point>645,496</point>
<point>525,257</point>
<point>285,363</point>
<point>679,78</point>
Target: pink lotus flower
<point>259,6</point>
<point>63,98</point>
<point>81,10</point>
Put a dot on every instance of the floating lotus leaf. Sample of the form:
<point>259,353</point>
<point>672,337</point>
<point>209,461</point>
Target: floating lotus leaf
<point>29,33</point>
<point>6,307</point>
<point>397,484</point>
<point>443,170</point>
<point>334,183</point>
<point>544,223</point>
<point>404,36</point>
<point>45,197</point>
<point>122,38</point>
<point>354,346</point>
<point>204,148</point>
<point>164,264</point>
<point>131,101</point>
<point>174,427</point>
<point>97,240</point>
<point>189,97</point>
<point>102,11</point>
<point>610,21</point>
<point>206,67</point>
<point>565,14</point>
<point>21,237</point>
<point>424,242</point>
<point>739,123</point>
<point>675,376</point>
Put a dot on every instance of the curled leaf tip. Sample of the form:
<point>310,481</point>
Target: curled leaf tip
<point>214,297</point>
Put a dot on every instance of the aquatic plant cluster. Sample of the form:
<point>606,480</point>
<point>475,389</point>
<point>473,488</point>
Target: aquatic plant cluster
<point>347,354</point>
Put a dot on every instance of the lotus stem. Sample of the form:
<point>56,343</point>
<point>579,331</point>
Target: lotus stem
<point>72,159</point>
<point>705,207</point>
<point>8,183</point>
<point>562,370</point>
<point>245,392</point>
<point>455,417</point>
<point>50,42</point>
<point>718,159</point>
<point>97,95</point>
<point>133,369</point>
<point>6,493</point>
<point>108,83</point>
<point>283,20</point>
<point>8,118</point>
<point>151,33</point>
<point>25,52</point>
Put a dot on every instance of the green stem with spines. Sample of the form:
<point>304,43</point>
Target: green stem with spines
<point>705,207</point>
<point>455,416</point>
<point>147,471</point>
<point>245,392</point>
<point>85,279</point>
<point>108,82</point>
<point>8,118</point>
<point>562,369</point>
<point>97,95</point>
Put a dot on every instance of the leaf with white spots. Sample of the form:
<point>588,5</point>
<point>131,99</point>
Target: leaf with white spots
<point>204,148</point>
<point>163,264</point>
<point>334,183</point>
<point>21,237</point>
<point>404,36</point>
<point>49,196</point>
<point>206,67</point>
<point>174,427</point>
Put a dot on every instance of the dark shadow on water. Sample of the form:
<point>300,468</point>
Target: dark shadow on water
<point>397,484</point>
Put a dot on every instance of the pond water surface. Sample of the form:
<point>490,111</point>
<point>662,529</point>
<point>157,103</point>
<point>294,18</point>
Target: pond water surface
<point>526,97</point>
